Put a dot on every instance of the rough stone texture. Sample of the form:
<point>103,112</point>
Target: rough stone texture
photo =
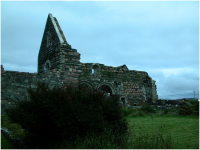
<point>171,104</point>
<point>59,63</point>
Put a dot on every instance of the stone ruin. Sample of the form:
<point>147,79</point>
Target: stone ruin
<point>168,104</point>
<point>59,63</point>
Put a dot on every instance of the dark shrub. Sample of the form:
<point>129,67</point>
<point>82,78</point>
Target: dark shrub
<point>140,113</point>
<point>127,111</point>
<point>185,110</point>
<point>148,109</point>
<point>193,101</point>
<point>166,111</point>
<point>54,114</point>
<point>196,106</point>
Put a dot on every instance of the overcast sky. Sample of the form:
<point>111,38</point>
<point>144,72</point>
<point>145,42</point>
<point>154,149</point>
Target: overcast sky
<point>161,38</point>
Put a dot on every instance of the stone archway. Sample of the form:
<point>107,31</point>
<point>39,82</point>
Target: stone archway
<point>47,66</point>
<point>85,86</point>
<point>106,89</point>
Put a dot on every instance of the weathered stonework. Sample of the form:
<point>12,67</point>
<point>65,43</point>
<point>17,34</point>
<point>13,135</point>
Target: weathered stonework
<point>59,63</point>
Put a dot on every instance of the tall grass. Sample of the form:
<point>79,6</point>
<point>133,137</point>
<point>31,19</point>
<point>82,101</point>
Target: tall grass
<point>5,144</point>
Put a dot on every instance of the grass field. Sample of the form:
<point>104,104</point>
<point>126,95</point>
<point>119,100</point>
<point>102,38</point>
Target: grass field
<point>5,144</point>
<point>184,130</point>
<point>146,131</point>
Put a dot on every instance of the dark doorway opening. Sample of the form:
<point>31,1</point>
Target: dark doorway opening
<point>106,89</point>
<point>123,100</point>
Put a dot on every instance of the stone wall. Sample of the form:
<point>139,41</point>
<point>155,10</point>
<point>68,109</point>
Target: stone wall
<point>59,63</point>
<point>130,84</point>
<point>14,85</point>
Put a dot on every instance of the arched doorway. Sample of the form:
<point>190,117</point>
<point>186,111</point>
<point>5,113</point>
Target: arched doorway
<point>106,89</point>
<point>85,86</point>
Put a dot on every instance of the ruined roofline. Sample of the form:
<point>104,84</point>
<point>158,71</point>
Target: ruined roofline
<point>115,67</point>
<point>62,41</point>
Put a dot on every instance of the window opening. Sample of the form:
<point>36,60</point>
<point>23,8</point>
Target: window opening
<point>47,66</point>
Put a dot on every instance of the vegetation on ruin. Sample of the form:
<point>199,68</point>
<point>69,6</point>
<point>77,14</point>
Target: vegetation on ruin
<point>138,75</point>
<point>108,74</point>
<point>85,73</point>
<point>54,114</point>
<point>148,128</point>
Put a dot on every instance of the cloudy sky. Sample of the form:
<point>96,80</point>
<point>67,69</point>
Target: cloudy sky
<point>161,38</point>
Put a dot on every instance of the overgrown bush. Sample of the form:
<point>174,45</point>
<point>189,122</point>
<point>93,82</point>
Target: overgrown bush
<point>196,106</point>
<point>127,111</point>
<point>193,101</point>
<point>148,109</point>
<point>138,113</point>
<point>166,111</point>
<point>51,115</point>
<point>189,103</point>
<point>185,110</point>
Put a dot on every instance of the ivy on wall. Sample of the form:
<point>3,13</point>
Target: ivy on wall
<point>138,75</point>
<point>109,75</point>
<point>118,69</point>
<point>85,73</point>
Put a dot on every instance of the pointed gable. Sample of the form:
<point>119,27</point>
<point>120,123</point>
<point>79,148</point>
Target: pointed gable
<point>58,29</point>
<point>53,38</point>
<point>52,33</point>
<point>124,67</point>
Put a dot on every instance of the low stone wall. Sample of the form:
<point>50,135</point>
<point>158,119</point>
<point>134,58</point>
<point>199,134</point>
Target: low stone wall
<point>163,106</point>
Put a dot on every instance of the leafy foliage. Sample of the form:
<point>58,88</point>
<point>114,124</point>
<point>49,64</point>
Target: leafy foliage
<point>193,101</point>
<point>185,110</point>
<point>189,104</point>
<point>196,106</point>
<point>52,115</point>
<point>166,111</point>
<point>148,109</point>
<point>138,113</point>
<point>127,111</point>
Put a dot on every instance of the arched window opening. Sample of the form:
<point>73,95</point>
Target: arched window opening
<point>95,70</point>
<point>47,66</point>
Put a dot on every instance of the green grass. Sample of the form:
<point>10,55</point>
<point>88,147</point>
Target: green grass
<point>5,144</point>
<point>184,130</point>
<point>146,131</point>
